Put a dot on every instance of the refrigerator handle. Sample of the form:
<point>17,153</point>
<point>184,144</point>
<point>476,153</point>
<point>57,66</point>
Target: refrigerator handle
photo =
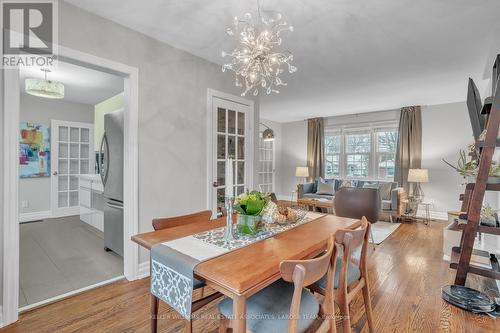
<point>104,168</point>
<point>114,206</point>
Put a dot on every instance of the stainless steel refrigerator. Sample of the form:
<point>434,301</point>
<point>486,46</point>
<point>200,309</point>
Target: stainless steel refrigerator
<point>111,155</point>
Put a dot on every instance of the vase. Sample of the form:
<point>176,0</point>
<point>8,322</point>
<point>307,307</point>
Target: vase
<point>249,224</point>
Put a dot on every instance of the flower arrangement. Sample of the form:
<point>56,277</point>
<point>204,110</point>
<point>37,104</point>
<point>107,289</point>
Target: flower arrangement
<point>249,207</point>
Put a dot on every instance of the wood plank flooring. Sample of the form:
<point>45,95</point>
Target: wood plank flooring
<point>406,274</point>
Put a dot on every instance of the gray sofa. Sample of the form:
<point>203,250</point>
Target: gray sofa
<point>391,200</point>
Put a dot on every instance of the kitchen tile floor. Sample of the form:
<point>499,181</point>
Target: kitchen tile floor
<point>61,255</point>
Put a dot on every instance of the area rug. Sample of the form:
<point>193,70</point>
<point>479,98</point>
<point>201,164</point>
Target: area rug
<point>382,230</point>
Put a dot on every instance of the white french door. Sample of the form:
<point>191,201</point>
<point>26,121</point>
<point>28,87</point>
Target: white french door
<point>232,136</point>
<point>72,154</point>
<point>266,165</point>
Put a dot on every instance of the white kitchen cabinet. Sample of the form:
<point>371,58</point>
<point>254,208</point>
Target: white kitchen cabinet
<point>92,201</point>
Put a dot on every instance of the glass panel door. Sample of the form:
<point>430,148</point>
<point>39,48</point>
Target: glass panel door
<point>71,156</point>
<point>266,165</point>
<point>230,141</point>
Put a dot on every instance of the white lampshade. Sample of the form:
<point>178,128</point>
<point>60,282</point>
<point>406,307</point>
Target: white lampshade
<point>302,171</point>
<point>44,88</point>
<point>418,176</point>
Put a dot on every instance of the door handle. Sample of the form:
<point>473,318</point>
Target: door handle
<point>55,173</point>
<point>215,184</point>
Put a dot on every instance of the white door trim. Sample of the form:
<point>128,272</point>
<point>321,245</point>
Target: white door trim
<point>211,93</point>
<point>11,91</point>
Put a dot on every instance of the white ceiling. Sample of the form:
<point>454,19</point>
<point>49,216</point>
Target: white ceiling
<point>352,55</point>
<point>81,85</point>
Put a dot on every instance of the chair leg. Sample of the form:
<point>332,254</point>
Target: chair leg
<point>223,324</point>
<point>189,326</point>
<point>346,319</point>
<point>154,302</point>
<point>368,307</point>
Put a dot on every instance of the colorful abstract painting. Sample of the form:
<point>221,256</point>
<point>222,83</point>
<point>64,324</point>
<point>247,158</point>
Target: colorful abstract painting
<point>34,151</point>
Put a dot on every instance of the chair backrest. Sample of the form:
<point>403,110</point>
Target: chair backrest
<point>358,202</point>
<point>303,273</point>
<point>170,222</point>
<point>349,241</point>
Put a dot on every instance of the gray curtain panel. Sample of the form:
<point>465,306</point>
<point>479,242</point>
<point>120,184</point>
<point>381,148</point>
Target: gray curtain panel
<point>316,147</point>
<point>409,149</point>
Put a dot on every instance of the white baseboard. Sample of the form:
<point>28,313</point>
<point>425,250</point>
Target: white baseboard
<point>434,215</point>
<point>35,216</point>
<point>1,316</point>
<point>143,270</point>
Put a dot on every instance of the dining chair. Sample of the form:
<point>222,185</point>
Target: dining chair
<point>286,306</point>
<point>350,273</point>
<point>171,222</point>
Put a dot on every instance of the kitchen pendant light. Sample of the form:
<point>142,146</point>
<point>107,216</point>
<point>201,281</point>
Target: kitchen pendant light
<point>43,87</point>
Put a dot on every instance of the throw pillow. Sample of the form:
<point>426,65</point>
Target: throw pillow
<point>346,183</point>
<point>325,188</point>
<point>385,191</point>
<point>315,186</point>
<point>371,185</point>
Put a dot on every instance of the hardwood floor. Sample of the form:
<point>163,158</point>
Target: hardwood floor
<point>406,273</point>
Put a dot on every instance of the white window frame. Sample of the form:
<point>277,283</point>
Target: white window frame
<point>372,129</point>
<point>377,153</point>
<point>335,133</point>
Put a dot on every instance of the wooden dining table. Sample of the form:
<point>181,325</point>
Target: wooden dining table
<point>242,273</point>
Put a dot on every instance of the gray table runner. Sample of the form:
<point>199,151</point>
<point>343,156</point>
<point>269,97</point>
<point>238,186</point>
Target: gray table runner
<point>173,262</point>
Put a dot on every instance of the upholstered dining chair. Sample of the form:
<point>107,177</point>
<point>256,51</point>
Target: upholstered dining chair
<point>171,222</point>
<point>287,307</point>
<point>355,203</point>
<point>350,274</point>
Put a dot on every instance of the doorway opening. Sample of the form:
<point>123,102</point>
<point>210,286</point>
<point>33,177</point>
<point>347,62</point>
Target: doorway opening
<point>11,229</point>
<point>71,236</point>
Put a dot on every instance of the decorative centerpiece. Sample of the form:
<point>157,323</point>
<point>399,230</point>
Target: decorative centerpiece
<point>249,207</point>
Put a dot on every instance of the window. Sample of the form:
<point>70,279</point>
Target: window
<point>386,152</point>
<point>357,153</point>
<point>332,155</point>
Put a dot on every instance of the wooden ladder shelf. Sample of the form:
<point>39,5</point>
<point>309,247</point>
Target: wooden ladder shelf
<point>473,199</point>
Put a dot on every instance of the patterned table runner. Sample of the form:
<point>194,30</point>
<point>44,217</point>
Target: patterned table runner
<point>173,262</point>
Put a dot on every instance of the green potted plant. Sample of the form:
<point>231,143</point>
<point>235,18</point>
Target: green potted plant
<point>489,216</point>
<point>249,207</point>
<point>469,169</point>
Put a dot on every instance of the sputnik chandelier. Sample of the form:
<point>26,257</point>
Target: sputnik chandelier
<point>257,60</point>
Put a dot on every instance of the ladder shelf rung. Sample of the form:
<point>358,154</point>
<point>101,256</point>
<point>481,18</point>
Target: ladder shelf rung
<point>489,187</point>
<point>474,269</point>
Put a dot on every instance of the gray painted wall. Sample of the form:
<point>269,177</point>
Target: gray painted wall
<point>172,110</point>
<point>445,130</point>
<point>41,111</point>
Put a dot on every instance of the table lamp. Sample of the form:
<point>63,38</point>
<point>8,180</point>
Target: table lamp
<point>418,176</point>
<point>302,172</point>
